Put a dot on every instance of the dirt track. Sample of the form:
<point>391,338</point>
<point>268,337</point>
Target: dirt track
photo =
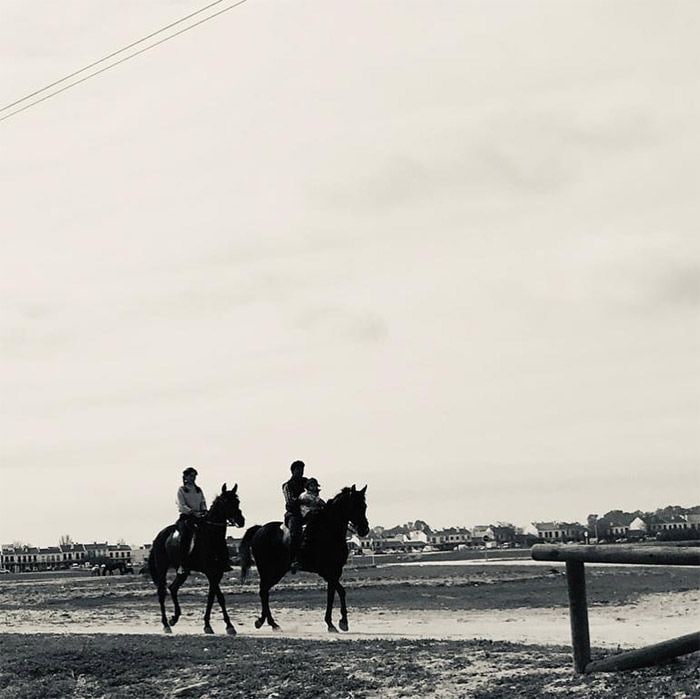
<point>434,631</point>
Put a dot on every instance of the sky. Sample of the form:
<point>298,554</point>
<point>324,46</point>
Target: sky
<point>448,250</point>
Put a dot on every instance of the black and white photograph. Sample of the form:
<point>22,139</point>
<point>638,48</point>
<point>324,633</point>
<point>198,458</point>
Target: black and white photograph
<point>350,350</point>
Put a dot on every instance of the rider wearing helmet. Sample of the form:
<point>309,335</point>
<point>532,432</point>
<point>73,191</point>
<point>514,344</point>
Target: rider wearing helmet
<point>192,506</point>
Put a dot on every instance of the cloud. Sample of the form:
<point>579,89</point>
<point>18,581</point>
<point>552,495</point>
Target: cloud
<point>679,287</point>
<point>344,324</point>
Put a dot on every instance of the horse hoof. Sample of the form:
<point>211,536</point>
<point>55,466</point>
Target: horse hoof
<point>208,629</point>
<point>276,627</point>
<point>230,631</point>
<point>332,629</point>
<point>173,621</point>
<point>167,629</point>
<point>259,623</point>
<point>343,625</point>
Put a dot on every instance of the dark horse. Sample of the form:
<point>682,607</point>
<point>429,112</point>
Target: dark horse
<point>108,566</point>
<point>325,554</point>
<point>166,553</point>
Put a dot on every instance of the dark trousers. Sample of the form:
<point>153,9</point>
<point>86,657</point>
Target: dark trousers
<point>185,526</point>
<point>294,523</point>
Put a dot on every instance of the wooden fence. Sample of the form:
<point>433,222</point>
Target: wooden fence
<point>575,557</point>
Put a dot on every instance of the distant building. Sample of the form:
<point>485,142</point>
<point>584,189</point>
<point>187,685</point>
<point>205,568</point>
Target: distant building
<point>483,534</point>
<point>97,551</point>
<point>19,558</point>
<point>415,539</point>
<point>50,558</point>
<point>450,538</point>
<point>557,531</point>
<point>73,553</point>
<point>615,526</point>
<point>139,556</point>
<point>663,523</point>
<point>637,529</point>
<point>504,534</point>
<point>693,520</point>
<point>119,552</point>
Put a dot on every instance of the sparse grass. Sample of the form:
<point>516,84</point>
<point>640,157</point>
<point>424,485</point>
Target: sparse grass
<point>118,667</point>
<point>487,586</point>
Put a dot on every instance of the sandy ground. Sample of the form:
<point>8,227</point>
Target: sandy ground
<point>652,618</point>
<point>462,630</point>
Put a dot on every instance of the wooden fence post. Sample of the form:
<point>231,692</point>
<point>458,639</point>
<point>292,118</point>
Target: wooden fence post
<point>650,655</point>
<point>575,556</point>
<point>578,615</point>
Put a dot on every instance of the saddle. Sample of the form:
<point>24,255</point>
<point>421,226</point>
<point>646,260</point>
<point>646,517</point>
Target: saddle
<point>286,534</point>
<point>174,541</point>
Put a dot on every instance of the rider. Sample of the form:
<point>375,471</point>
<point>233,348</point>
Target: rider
<point>193,507</point>
<point>310,502</point>
<point>292,489</point>
<point>311,505</point>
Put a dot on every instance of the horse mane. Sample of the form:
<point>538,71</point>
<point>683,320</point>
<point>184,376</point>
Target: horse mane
<point>336,498</point>
<point>217,500</point>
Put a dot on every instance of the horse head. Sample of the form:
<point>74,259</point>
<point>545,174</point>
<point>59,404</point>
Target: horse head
<point>227,506</point>
<point>357,509</point>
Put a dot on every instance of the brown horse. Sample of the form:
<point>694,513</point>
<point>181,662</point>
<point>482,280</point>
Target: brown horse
<point>166,553</point>
<point>326,553</point>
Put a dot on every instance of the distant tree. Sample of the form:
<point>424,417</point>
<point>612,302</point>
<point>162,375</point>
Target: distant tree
<point>671,510</point>
<point>614,514</point>
<point>65,540</point>
<point>121,541</point>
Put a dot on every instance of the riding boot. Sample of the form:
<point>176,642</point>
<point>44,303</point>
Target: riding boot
<point>297,561</point>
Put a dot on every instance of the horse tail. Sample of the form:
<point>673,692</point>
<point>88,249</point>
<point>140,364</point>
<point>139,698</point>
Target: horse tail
<point>152,564</point>
<point>158,551</point>
<point>245,553</point>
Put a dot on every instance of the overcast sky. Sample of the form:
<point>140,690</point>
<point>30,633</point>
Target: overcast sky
<point>447,249</point>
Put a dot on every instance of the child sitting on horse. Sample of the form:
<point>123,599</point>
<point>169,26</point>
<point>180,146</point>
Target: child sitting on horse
<point>311,504</point>
<point>310,501</point>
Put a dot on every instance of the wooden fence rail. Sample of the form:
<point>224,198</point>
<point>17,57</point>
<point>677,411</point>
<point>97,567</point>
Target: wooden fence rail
<point>575,557</point>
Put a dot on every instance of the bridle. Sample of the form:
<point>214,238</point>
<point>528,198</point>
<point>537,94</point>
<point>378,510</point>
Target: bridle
<point>229,521</point>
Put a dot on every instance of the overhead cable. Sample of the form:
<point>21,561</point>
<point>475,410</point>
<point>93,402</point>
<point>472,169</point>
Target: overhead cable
<point>111,55</point>
<point>116,63</point>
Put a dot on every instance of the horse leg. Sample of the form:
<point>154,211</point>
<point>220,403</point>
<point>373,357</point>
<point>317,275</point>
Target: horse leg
<point>160,586</point>
<point>174,587</point>
<point>343,623</point>
<point>330,596</point>
<point>263,614</point>
<point>213,584</point>
<point>230,629</point>
<point>266,614</point>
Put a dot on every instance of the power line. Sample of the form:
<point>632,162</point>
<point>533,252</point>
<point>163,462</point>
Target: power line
<point>111,55</point>
<point>116,63</point>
